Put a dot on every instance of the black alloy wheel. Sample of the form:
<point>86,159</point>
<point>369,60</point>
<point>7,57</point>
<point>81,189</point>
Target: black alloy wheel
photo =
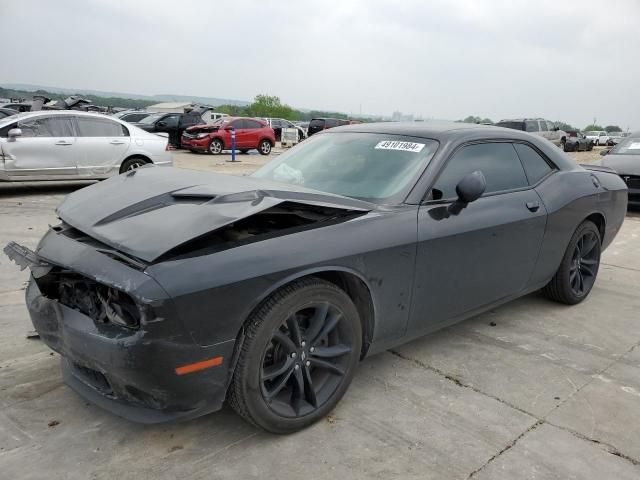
<point>306,360</point>
<point>584,263</point>
<point>300,351</point>
<point>578,270</point>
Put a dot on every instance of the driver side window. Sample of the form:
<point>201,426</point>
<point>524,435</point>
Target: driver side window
<point>497,161</point>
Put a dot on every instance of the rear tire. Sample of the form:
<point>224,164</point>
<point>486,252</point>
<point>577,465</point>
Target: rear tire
<point>264,147</point>
<point>132,163</point>
<point>299,354</point>
<point>579,267</point>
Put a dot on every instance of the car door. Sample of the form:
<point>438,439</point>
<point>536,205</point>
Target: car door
<point>553,134</point>
<point>544,129</point>
<point>47,146</point>
<point>102,145</point>
<point>532,126</point>
<point>239,126</point>
<point>485,252</point>
<point>170,124</point>
<point>253,130</point>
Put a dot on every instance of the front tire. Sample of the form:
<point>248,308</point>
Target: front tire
<point>264,147</point>
<point>215,146</point>
<point>579,267</point>
<point>299,355</point>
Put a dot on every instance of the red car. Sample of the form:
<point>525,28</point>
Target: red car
<point>214,138</point>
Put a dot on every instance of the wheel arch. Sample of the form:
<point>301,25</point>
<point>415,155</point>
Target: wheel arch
<point>600,222</point>
<point>135,155</point>
<point>350,281</point>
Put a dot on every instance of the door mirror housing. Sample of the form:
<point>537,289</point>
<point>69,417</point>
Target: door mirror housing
<point>13,134</point>
<point>471,187</point>
<point>161,124</point>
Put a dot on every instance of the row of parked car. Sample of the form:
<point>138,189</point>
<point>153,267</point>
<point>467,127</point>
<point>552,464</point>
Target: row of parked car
<point>66,144</point>
<point>569,141</point>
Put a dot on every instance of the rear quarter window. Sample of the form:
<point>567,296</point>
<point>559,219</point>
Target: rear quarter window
<point>534,165</point>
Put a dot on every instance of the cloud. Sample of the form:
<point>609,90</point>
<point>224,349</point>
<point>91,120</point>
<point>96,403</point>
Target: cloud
<point>443,59</point>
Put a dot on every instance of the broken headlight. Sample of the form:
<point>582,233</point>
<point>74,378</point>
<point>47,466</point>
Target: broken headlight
<point>119,308</point>
<point>100,302</point>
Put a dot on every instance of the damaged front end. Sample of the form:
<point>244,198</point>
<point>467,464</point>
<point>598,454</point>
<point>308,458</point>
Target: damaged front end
<point>119,336</point>
<point>96,295</point>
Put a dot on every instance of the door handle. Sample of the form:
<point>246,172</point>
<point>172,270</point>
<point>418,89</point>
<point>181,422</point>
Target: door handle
<point>533,206</point>
<point>62,142</point>
<point>116,142</point>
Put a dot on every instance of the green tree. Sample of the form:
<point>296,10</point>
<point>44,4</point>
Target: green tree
<point>565,126</point>
<point>592,127</point>
<point>471,119</point>
<point>270,106</point>
<point>612,128</point>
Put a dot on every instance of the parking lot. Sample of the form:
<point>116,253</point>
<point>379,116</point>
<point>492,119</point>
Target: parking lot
<point>533,389</point>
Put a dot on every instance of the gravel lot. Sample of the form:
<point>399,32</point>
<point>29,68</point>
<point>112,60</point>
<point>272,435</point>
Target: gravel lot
<point>529,390</point>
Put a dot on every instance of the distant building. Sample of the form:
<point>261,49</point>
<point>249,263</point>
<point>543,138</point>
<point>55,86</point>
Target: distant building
<point>401,117</point>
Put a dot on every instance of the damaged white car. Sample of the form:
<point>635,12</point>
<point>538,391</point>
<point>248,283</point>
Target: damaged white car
<point>72,145</point>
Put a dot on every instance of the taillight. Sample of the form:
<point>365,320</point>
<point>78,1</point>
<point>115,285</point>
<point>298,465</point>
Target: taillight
<point>169,147</point>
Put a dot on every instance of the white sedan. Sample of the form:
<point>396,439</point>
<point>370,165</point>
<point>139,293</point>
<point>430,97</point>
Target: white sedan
<point>67,144</point>
<point>598,137</point>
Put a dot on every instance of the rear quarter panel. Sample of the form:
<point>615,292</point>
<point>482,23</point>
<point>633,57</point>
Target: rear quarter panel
<point>570,197</point>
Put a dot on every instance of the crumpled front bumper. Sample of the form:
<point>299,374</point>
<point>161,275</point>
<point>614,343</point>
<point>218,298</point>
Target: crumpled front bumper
<point>130,372</point>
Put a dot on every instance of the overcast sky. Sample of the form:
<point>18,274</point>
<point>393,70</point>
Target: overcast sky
<point>569,60</point>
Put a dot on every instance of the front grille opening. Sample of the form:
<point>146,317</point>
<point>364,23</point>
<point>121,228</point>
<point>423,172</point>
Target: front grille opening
<point>101,303</point>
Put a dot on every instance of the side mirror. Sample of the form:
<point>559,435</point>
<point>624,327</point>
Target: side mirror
<point>228,127</point>
<point>14,133</point>
<point>471,187</point>
<point>161,124</point>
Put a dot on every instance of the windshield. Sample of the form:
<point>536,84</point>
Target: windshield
<point>151,118</point>
<point>628,146</point>
<point>369,166</point>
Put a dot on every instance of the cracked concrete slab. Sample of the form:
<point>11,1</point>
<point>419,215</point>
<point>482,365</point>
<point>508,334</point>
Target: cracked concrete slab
<point>549,453</point>
<point>605,409</point>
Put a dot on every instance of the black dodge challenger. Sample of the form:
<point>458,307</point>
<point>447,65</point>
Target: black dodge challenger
<point>169,291</point>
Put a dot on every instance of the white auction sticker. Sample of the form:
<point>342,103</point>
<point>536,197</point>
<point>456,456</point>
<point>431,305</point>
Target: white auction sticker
<point>402,146</point>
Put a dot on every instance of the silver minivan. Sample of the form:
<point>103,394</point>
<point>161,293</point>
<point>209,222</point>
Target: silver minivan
<point>70,145</point>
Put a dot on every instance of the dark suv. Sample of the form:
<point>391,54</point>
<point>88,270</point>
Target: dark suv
<point>318,124</point>
<point>172,123</point>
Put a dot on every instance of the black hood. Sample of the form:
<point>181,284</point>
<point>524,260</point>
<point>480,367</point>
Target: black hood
<point>150,211</point>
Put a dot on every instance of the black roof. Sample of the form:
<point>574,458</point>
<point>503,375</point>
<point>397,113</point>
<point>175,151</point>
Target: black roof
<point>420,129</point>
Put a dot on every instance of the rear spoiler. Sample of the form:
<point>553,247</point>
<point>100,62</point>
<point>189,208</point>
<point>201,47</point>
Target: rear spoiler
<point>598,168</point>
